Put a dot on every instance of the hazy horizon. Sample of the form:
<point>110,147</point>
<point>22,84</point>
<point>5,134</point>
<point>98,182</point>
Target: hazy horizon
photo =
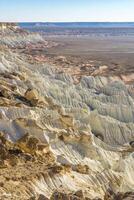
<point>2,21</point>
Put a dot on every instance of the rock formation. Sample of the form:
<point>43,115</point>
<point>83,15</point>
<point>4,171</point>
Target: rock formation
<point>8,26</point>
<point>59,139</point>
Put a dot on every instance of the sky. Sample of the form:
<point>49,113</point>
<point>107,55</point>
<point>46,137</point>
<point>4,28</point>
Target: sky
<point>67,10</point>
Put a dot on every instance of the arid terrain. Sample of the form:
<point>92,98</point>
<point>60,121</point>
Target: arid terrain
<point>66,119</point>
<point>89,53</point>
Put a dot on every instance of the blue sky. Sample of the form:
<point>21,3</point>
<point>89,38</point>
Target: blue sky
<point>66,10</point>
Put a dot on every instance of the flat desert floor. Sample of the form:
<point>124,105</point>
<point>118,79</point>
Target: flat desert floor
<point>112,51</point>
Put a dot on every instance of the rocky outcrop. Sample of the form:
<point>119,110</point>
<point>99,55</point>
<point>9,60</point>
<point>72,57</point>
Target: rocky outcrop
<point>8,26</point>
<point>12,36</point>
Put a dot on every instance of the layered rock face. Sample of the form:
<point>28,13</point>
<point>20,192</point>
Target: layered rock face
<point>17,39</point>
<point>61,140</point>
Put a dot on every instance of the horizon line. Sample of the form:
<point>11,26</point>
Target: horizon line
<point>66,21</point>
